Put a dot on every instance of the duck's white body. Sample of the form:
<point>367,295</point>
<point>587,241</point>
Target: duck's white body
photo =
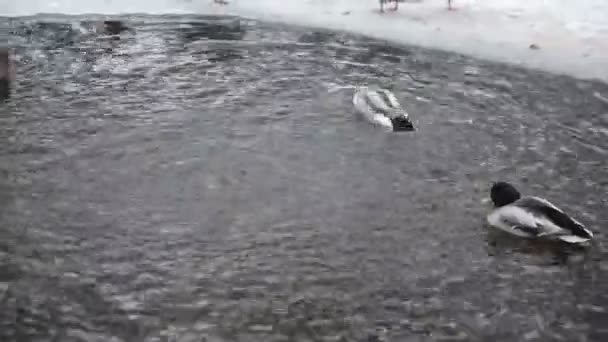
<point>534,217</point>
<point>380,107</point>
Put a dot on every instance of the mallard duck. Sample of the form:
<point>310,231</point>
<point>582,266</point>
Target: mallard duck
<point>380,106</point>
<point>533,217</point>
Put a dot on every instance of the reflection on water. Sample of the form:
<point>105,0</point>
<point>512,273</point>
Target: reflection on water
<point>195,178</point>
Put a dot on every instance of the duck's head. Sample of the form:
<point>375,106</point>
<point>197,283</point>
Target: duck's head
<point>503,193</point>
<point>402,124</point>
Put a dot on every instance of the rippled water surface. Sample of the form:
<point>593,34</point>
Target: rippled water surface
<point>194,180</point>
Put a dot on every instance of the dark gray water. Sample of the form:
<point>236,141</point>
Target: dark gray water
<point>196,182</point>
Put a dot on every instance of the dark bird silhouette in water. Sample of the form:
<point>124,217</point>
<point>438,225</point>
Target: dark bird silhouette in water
<point>114,26</point>
<point>6,74</point>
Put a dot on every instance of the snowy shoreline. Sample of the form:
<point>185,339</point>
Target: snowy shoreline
<point>478,32</point>
<point>568,38</point>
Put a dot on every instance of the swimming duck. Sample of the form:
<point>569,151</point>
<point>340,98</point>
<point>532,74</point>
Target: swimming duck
<point>533,217</point>
<point>380,106</point>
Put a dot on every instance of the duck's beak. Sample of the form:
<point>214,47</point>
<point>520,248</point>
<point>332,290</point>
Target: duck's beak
<point>486,200</point>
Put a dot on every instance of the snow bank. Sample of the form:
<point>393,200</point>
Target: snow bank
<point>572,36</point>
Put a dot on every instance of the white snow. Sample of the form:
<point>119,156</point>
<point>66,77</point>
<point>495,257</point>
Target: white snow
<point>572,35</point>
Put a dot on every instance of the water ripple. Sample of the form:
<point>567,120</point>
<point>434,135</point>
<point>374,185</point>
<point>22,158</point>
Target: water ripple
<point>196,180</point>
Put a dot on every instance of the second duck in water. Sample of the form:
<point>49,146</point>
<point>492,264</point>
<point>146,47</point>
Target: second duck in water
<point>533,217</point>
<point>380,106</point>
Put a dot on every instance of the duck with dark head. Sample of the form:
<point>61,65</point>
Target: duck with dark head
<point>381,107</point>
<point>111,27</point>
<point>114,26</point>
<point>533,217</point>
